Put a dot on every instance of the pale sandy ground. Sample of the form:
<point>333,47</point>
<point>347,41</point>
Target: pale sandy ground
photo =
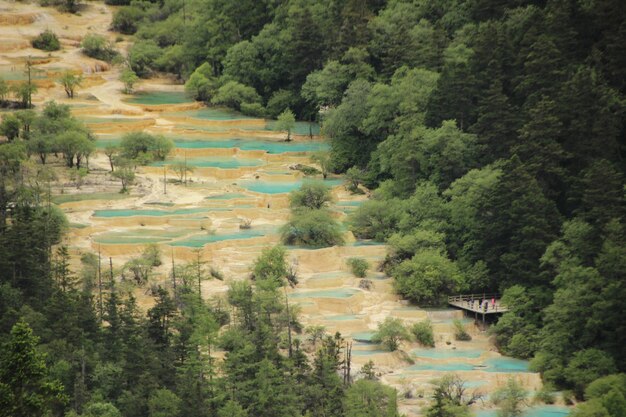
<point>102,94</point>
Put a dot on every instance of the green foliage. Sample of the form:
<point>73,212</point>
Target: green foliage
<point>97,46</point>
<point>144,147</point>
<point>127,19</point>
<point>10,126</point>
<point>70,82</point>
<point>202,84</point>
<point>312,195</point>
<point>423,332</point>
<point>164,403</point>
<point>25,387</point>
<point>312,228</point>
<point>390,333</point>
<point>510,399</point>
<point>451,398</point>
<point>234,95</point>
<point>370,399</point>
<point>358,266</point>
<point>460,332</point>
<point>427,278</point>
<point>286,122</point>
<point>46,41</point>
<point>142,56</point>
<point>271,265</point>
<point>129,78</point>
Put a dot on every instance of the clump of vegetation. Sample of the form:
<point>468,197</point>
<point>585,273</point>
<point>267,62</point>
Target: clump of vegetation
<point>510,399</point>
<point>98,47</point>
<point>358,266</point>
<point>390,333</point>
<point>460,331</point>
<point>286,122</point>
<point>129,79</point>
<point>70,82</point>
<point>46,41</point>
<point>545,395</point>
<point>312,228</point>
<point>69,6</point>
<point>245,224</point>
<point>144,148</point>
<point>423,332</point>
<point>312,195</point>
<point>271,265</point>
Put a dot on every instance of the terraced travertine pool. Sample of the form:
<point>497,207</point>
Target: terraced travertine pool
<point>197,241</point>
<point>537,411</point>
<point>209,113</point>
<point>279,187</point>
<point>227,196</point>
<point>224,162</point>
<point>251,144</point>
<point>149,212</point>
<point>153,98</point>
<point>335,293</point>
<point>502,364</point>
<point>446,353</point>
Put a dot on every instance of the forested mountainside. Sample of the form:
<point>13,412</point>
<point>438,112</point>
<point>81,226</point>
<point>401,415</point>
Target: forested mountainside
<point>490,134</point>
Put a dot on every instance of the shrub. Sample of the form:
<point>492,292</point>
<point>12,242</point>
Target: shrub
<point>312,228</point>
<point>216,273</point>
<point>126,19</point>
<point>145,147</point>
<point>376,219</point>
<point>98,47</point>
<point>142,56</point>
<point>234,94</point>
<point>423,332</point>
<point>358,266</point>
<point>129,78</point>
<point>460,332</point>
<point>390,333</point>
<point>46,41</point>
<point>271,265</point>
<point>152,255</point>
<point>428,277</point>
<point>312,195</point>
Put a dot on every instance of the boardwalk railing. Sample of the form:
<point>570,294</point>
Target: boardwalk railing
<point>484,303</point>
<point>469,297</point>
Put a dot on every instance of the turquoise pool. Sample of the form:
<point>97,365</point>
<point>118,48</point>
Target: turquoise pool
<point>447,353</point>
<point>213,162</point>
<point>301,128</point>
<point>210,113</point>
<point>159,97</point>
<point>145,212</point>
<point>363,336</point>
<point>506,365</point>
<point>198,241</point>
<point>447,367</point>
<point>271,147</point>
<point>540,411</point>
<point>275,187</point>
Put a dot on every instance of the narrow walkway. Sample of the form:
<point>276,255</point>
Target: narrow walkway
<point>479,303</point>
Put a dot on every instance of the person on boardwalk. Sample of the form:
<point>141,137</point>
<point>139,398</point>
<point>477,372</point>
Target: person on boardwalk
<point>493,303</point>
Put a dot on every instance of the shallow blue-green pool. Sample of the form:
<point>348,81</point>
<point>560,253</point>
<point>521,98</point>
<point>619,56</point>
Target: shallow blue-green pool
<point>447,353</point>
<point>198,241</point>
<point>539,411</point>
<point>210,113</point>
<point>213,162</point>
<point>159,97</point>
<point>144,212</point>
<point>448,367</point>
<point>506,365</point>
<point>276,187</point>
<point>250,144</point>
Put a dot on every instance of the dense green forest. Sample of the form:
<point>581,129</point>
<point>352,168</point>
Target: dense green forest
<point>491,133</point>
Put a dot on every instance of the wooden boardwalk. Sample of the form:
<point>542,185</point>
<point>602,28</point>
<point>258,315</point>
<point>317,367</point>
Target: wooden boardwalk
<point>475,303</point>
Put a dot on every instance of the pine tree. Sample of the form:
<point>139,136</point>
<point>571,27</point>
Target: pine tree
<point>25,389</point>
